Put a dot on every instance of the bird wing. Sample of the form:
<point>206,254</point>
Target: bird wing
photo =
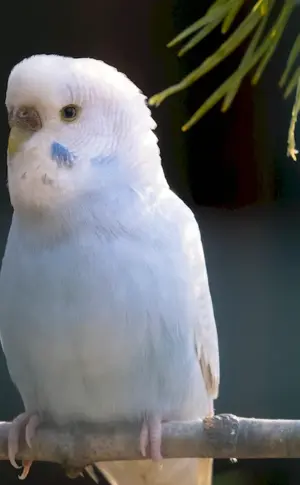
<point>206,337</point>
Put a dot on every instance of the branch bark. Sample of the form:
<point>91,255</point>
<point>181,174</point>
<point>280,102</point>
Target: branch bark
<point>222,436</point>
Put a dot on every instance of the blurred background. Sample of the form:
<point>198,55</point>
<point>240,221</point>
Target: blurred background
<point>230,168</point>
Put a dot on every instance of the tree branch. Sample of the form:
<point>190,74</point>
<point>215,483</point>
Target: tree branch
<point>222,436</point>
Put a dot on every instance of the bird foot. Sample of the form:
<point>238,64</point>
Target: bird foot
<point>150,436</point>
<point>29,423</point>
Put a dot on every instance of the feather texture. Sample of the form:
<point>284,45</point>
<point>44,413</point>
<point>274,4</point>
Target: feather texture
<point>105,308</point>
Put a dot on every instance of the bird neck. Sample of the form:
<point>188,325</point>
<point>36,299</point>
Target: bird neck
<point>107,213</point>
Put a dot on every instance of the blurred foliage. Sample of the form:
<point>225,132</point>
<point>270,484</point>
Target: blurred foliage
<point>263,34</point>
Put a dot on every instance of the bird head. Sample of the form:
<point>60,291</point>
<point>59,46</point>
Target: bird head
<point>77,127</point>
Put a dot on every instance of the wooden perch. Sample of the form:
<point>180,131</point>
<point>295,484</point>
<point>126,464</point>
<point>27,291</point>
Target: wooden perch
<point>222,436</point>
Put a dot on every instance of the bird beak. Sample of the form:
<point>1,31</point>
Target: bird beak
<point>16,140</point>
<point>23,122</point>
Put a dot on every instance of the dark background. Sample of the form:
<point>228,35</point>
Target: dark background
<point>232,169</point>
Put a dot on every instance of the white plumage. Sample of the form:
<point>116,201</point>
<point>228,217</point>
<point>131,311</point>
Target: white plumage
<point>105,308</point>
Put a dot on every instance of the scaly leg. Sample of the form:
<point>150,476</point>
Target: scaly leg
<point>151,436</point>
<point>29,422</point>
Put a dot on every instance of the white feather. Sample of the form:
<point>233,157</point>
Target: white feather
<point>105,309</point>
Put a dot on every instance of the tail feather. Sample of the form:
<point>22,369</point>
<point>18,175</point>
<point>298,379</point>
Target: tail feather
<point>205,471</point>
<point>91,472</point>
<point>184,471</point>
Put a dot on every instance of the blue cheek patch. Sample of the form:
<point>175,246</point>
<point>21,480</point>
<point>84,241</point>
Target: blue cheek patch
<point>62,156</point>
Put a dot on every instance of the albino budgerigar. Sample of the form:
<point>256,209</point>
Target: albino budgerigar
<point>105,308</point>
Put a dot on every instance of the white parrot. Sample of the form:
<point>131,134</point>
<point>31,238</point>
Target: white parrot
<point>105,307</point>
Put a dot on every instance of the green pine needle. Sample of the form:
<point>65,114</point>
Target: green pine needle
<point>258,54</point>
<point>290,62</point>
<point>292,152</point>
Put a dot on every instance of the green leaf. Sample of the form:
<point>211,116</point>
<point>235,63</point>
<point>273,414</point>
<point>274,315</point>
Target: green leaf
<point>198,37</point>
<point>224,50</point>
<point>217,11</point>
<point>295,51</point>
<point>275,35</point>
<point>292,152</point>
<point>247,57</point>
<point>260,50</point>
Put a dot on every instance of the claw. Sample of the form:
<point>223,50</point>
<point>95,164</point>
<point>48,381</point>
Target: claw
<point>151,436</point>
<point>13,438</point>
<point>30,422</point>
<point>26,468</point>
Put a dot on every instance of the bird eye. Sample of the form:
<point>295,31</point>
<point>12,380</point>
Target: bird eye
<point>69,113</point>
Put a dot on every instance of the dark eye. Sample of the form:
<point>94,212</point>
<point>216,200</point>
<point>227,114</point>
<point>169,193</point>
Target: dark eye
<point>69,113</point>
